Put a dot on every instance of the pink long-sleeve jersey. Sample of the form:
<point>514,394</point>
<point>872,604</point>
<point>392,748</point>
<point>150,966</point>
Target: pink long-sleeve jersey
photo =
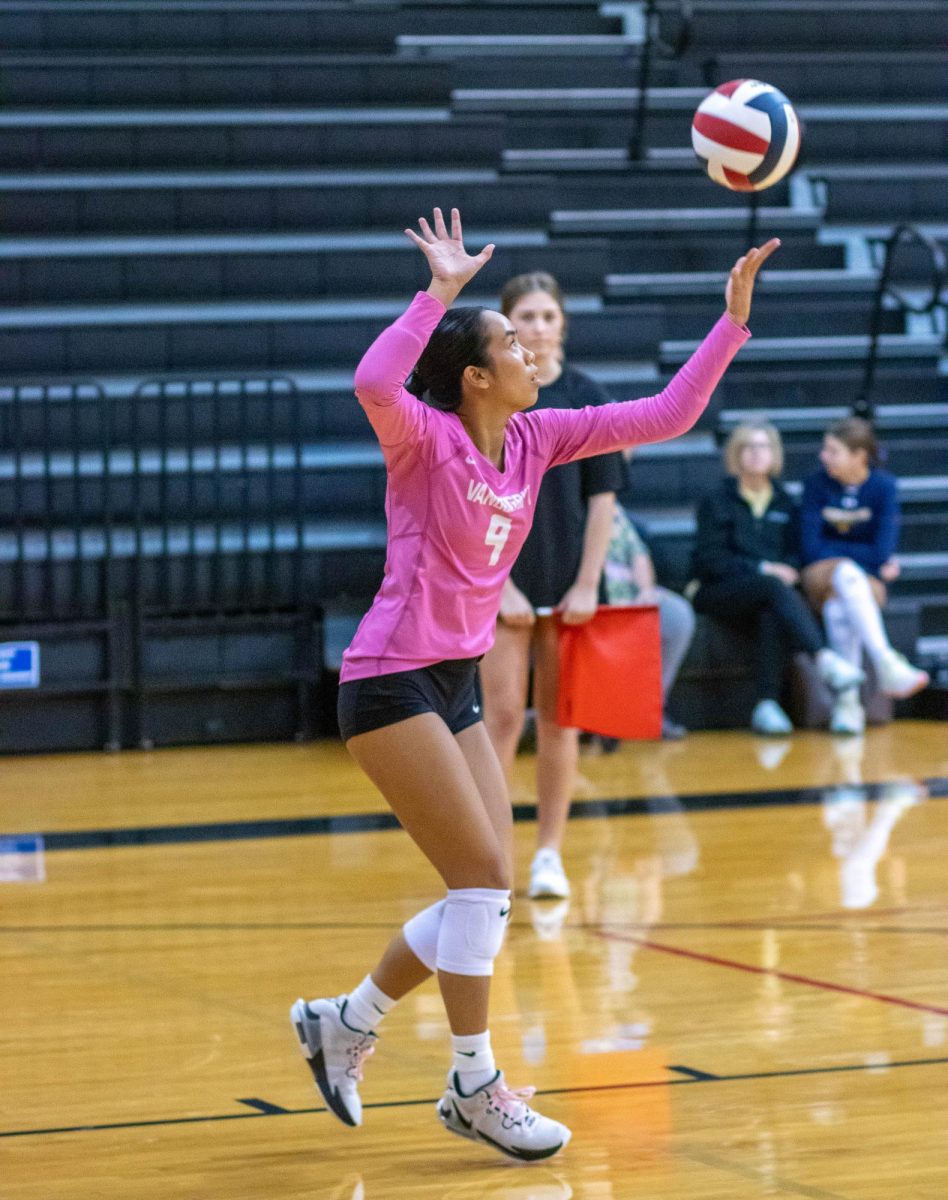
<point>455,521</point>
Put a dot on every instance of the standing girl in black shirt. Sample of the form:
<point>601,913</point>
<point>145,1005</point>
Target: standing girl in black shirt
<point>559,567</point>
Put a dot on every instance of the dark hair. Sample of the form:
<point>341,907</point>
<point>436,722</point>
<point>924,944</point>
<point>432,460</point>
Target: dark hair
<point>856,434</point>
<point>459,341</point>
<point>522,285</point>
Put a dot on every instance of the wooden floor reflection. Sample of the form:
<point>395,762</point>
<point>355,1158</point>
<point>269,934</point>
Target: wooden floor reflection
<point>747,995</point>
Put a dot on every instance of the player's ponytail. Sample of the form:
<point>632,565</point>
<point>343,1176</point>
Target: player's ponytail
<point>459,341</point>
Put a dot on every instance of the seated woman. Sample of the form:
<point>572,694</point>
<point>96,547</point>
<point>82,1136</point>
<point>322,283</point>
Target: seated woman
<point>745,561</point>
<point>630,579</point>
<point>850,518</point>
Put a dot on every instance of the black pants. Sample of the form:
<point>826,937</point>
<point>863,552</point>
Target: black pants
<point>784,623</point>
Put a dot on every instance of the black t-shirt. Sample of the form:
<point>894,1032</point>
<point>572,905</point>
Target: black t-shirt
<point>549,561</point>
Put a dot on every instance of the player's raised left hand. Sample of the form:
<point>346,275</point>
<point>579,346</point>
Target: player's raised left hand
<point>740,282</point>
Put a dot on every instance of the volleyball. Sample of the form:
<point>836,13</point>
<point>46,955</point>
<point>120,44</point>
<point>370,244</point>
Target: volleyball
<point>746,135</point>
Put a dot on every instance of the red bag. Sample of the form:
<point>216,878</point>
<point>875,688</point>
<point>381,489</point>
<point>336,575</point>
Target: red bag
<point>611,673</point>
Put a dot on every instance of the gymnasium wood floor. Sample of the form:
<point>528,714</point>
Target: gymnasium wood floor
<point>747,996</point>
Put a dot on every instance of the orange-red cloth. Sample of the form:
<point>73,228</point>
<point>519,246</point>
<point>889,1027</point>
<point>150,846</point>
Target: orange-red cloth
<point>611,673</point>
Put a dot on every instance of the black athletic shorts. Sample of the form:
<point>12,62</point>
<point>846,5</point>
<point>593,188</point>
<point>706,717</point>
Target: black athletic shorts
<point>452,689</point>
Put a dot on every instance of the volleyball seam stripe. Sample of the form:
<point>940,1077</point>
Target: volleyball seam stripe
<point>737,112</point>
<point>788,155</point>
<point>714,152</point>
<point>776,109</point>
<point>739,183</point>
<point>729,135</point>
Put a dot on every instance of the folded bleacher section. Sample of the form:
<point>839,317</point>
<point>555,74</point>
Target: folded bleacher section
<point>201,204</point>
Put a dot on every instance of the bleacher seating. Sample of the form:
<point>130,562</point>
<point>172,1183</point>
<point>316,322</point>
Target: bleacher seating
<point>201,203</point>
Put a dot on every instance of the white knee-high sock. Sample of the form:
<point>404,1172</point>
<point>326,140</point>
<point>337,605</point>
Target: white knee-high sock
<point>840,633</point>
<point>852,587</point>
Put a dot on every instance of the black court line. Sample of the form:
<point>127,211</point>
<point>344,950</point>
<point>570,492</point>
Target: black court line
<point>263,1106</point>
<point>694,1079</point>
<point>691,1073</point>
<point>221,831</point>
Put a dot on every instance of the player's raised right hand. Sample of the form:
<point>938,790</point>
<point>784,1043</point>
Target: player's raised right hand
<point>451,265</point>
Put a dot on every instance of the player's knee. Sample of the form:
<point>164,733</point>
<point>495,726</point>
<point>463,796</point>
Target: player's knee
<point>485,865</point>
<point>472,930</point>
<point>504,716</point>
<point>772,588</point>
<point>846,574</point>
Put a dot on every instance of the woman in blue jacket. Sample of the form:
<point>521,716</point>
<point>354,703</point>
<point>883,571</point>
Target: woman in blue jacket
<point>849,532</point>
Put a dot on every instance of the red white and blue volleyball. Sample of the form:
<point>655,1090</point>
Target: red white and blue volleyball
<point>746,135</point>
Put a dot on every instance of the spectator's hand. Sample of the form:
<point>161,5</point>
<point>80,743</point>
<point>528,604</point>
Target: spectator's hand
<point>515,608</point>
<point>647,595</point>
<point>451,265</point>
<point>891,570</point>
<point>783,571</point>
<point>579,604</point>
<point>740,282</point>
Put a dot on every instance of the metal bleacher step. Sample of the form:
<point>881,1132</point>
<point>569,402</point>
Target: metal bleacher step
<point>41,119</point>
<point>690,220</point>
<point>263,76</point>
<point>148,461</point>
<point>705,283</point>
<point>229,136</point>
<point>916,191</point>
<point>926,347</point>
<point>894,417</point>
<point>594,158</point>
<point>201,537</point>
<point>734,25</point>
<point>418,46</point>
<point>836,75</point>
<point>574,100</point>
<point>208,25</point>
<point>319,264</point>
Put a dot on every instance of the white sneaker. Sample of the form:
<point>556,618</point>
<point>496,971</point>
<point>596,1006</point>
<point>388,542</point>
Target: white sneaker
<point>335,1053</point>
<point>769,719</point>
<point>836,672</point>
<point>547,877</point>
<point>848,715</point>
<point>898,678</point>
<point>501,1118</point>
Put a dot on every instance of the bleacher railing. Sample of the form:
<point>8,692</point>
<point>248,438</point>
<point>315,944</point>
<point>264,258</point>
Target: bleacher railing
<point>886,288</point>
<point>177,512</point>
<point>653,43</point>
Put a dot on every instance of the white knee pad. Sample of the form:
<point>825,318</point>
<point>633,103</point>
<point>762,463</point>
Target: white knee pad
<point>472,930</point>
<point>421,934</point>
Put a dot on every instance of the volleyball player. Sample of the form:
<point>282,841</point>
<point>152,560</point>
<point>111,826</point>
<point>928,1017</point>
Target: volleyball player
<point>465,460</point>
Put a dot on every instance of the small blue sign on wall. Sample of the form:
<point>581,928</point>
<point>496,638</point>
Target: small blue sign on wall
<point>19,664</point>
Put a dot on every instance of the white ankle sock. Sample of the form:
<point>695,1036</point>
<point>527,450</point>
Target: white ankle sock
<point>853,590</point>
<point>367,1005</point>
<point>473,1060</point>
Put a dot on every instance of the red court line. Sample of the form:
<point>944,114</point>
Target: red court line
<point>734,965</point>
